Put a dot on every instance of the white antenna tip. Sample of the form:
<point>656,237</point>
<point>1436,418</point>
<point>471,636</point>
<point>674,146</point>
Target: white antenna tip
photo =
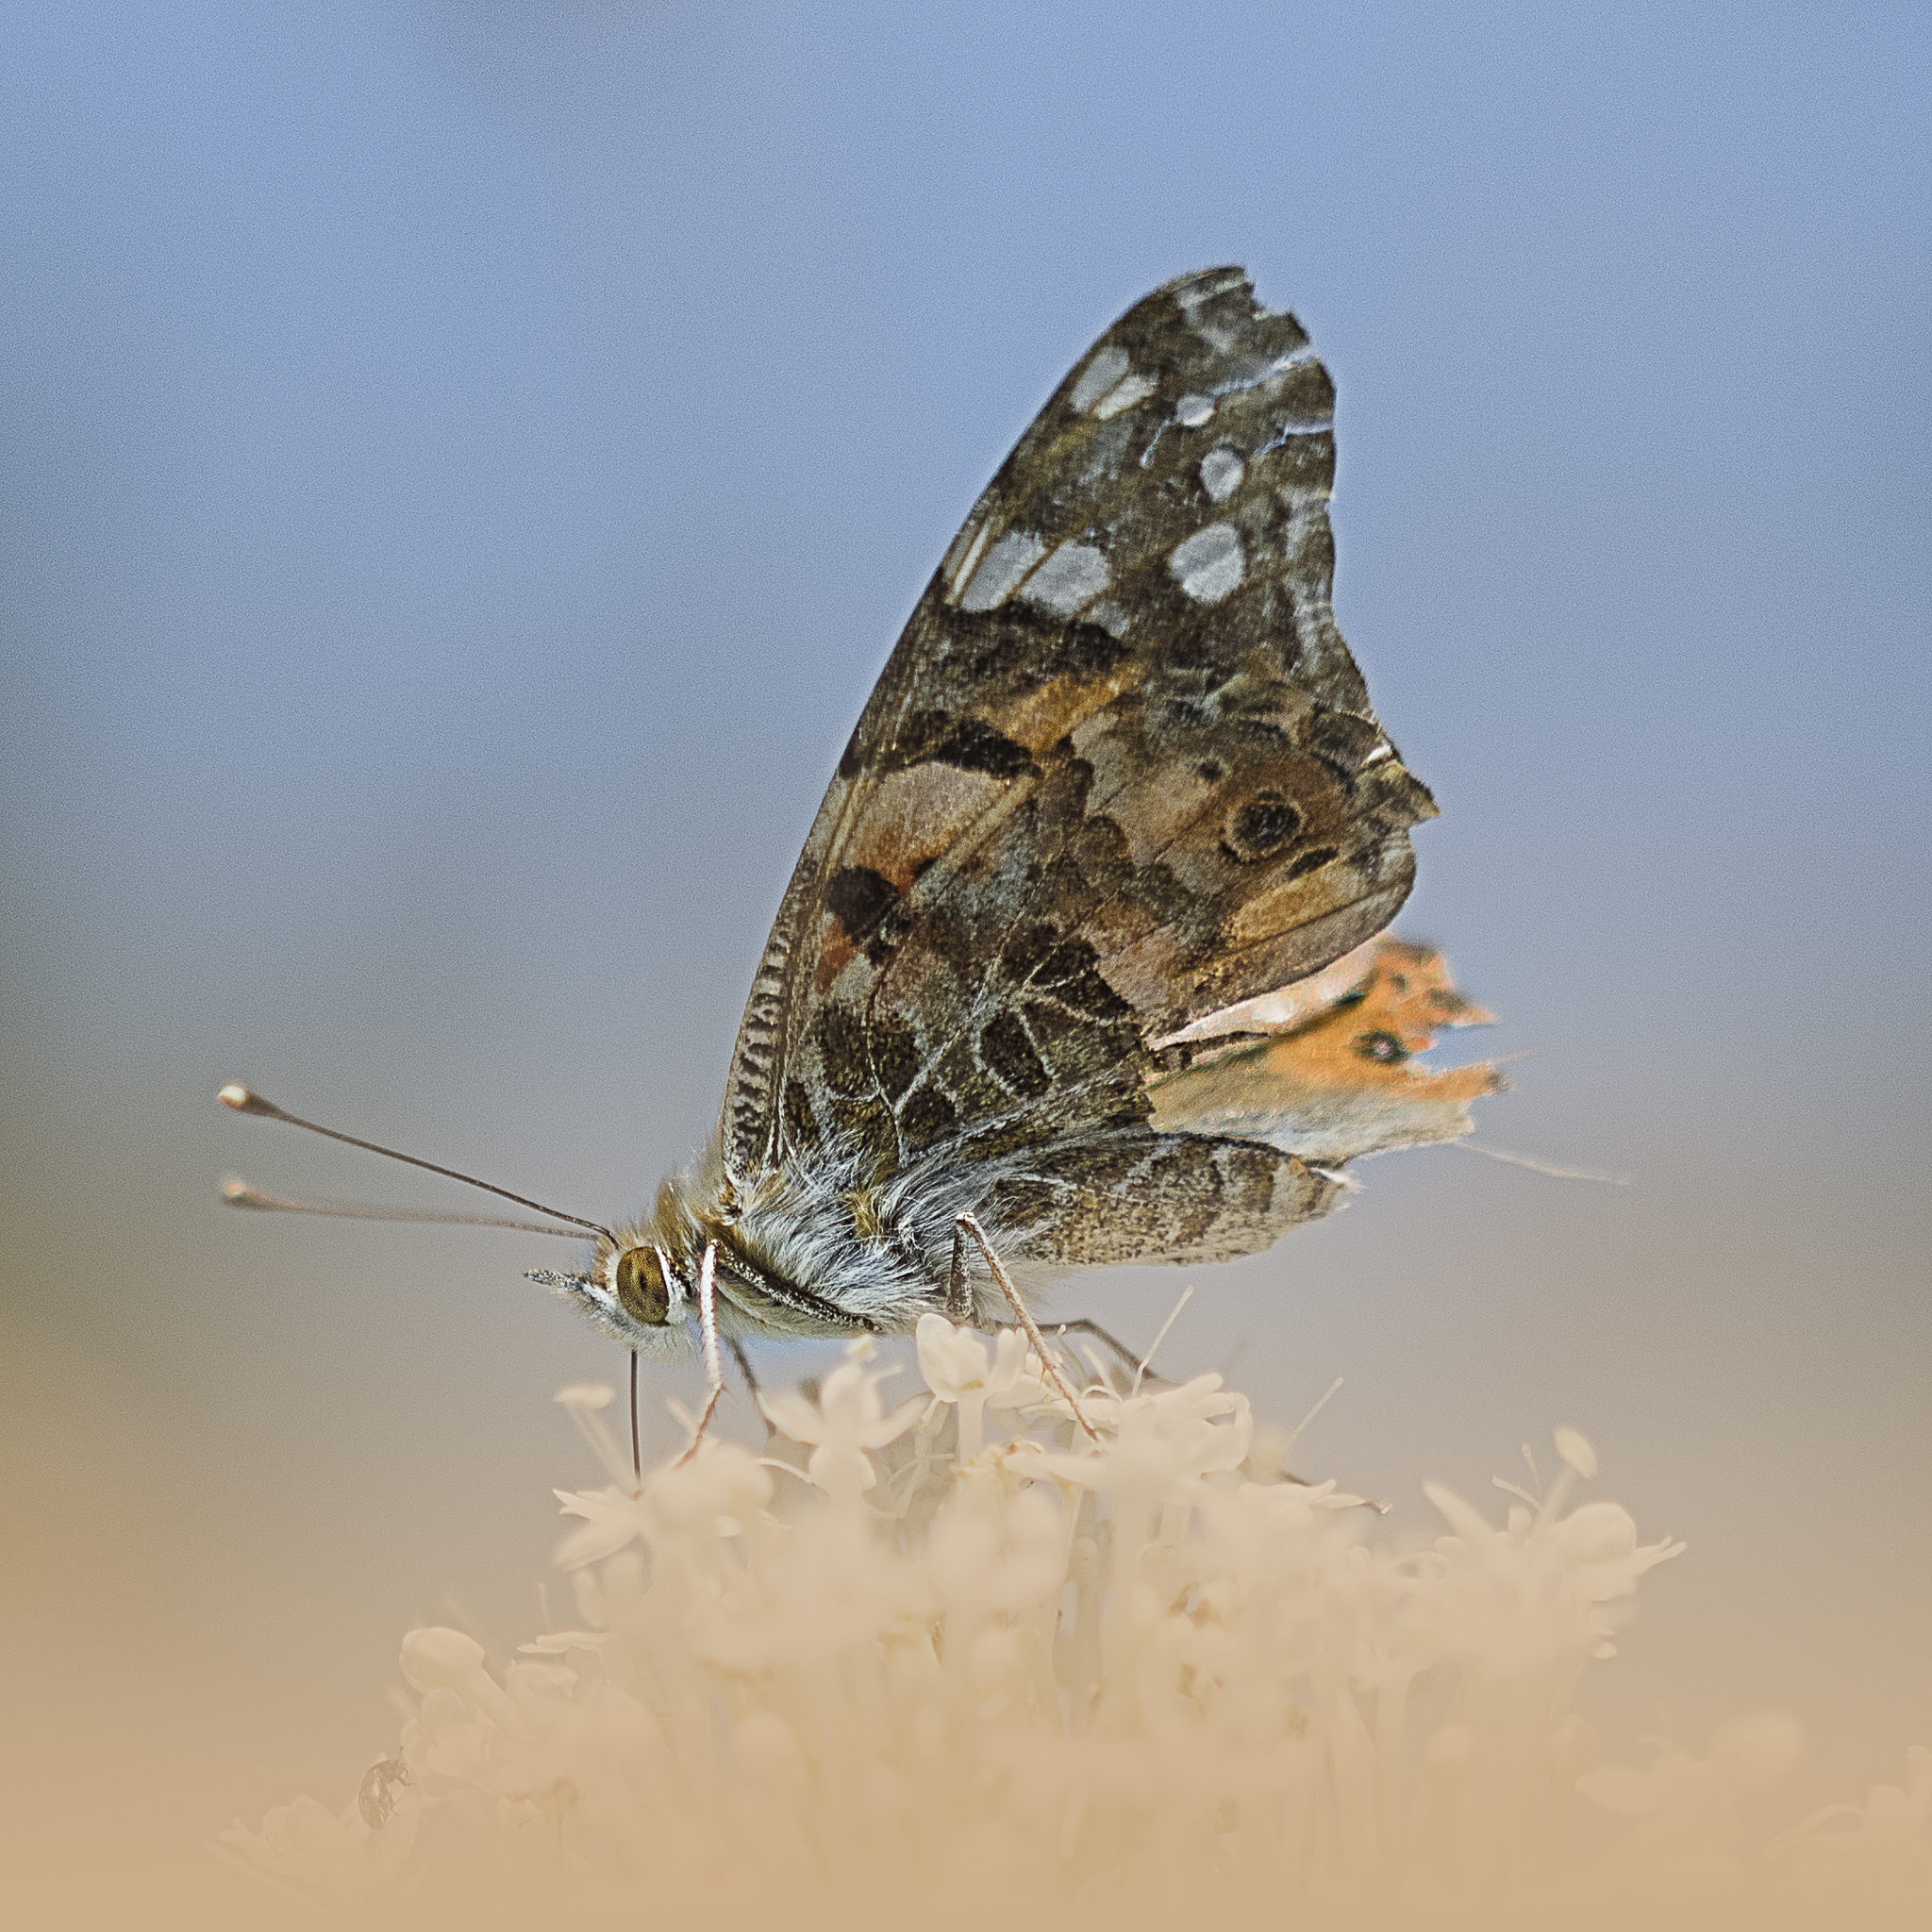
<point>238,1193</point>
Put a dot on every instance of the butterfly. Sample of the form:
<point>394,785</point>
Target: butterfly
<point>1081,950</point>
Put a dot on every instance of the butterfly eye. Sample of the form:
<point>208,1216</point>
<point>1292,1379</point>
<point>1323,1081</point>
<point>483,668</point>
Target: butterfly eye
<point>641,1287</point>
<point>1261,827</point>
<point>1383,1048</point>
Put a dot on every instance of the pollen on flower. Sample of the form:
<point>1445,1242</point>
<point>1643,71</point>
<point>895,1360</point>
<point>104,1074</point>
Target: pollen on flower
<point>919,1665</point>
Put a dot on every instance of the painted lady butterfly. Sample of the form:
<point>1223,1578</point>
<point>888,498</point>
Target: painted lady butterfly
<point>1081,958</point>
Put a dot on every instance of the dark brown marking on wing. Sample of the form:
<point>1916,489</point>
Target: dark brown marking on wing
<point>895,1056</point>
<point>1010,1056</point>
<point>845,1058</point>
<point>1021,649</point>
<point>859,898</point>
<point>928,1116</point>
<point>974,745</point>
<point>800,1124</point>
<point>1261,827</point>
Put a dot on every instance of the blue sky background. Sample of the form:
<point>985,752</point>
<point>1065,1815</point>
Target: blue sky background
<point>464,466</point>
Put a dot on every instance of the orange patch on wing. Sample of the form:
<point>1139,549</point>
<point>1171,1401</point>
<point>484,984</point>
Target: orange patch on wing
<point>1041,718</point>
<point>1344,1064</point>
<point>1411,995</point>
<point>1366,1041</point>
<point>835,949</point>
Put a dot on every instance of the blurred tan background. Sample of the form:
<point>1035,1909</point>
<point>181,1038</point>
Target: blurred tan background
<point>466,464</point>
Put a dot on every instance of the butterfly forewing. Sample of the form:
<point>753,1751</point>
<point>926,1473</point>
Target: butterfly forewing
<point>1120,772</point>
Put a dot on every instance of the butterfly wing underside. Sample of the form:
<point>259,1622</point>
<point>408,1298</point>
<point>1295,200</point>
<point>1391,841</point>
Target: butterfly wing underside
<point>1120,774</point>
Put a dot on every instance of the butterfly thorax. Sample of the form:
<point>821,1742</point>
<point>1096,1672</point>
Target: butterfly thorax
<point>814,1245</point>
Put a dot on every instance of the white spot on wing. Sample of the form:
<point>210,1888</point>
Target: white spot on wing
<point>1106,386</point>
<point>1006,563</point>
<point>1192,410</point>
<point>1123,395</point>
<point>1209,564</point>
<point>1099,376</point>
<point>1191,297</point>
<point>1110,617</point>
<point>1073,575</point>
<point>972,542</point>
<point>1222,472</point>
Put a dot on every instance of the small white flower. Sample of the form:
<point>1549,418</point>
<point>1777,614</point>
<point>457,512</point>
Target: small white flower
<point>953,1363</point>
<point>951,1359</point>
<point>612,1518</point>
<point>1536,1587</point>
<point>1164,1439</point>
<point>848,1421</point>
<point>715,1493</point>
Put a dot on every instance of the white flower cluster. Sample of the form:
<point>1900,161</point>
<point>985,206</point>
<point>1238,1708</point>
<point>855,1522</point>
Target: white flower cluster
<point>959,1658</point>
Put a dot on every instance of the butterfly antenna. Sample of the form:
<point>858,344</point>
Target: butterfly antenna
<point>238,1193</point>
<point>245,1101</point>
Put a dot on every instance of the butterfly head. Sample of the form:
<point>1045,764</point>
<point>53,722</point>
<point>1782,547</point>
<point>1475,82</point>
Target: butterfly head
<point>634,1291</point>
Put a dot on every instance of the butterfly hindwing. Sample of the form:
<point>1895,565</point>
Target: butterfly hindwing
<point>1139,1195</point>
<point>1120,773</point>
<point>1339,1079</point>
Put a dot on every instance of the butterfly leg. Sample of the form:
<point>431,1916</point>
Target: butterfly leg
<point>708,1331</point>
<point>958,1292</point>
<point>744,1369</point>
<point>1048,1361</point>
